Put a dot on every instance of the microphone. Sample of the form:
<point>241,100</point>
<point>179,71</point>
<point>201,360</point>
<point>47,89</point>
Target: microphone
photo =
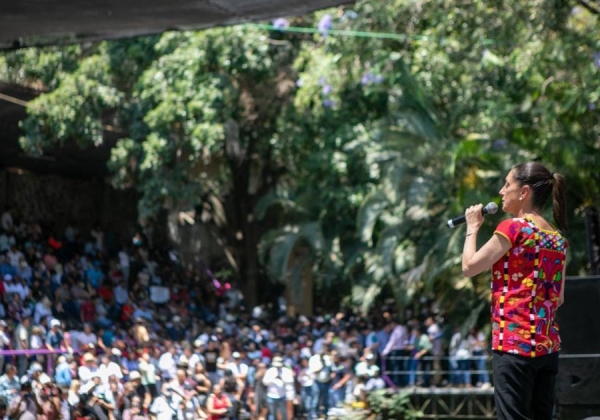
<point>490,208</point>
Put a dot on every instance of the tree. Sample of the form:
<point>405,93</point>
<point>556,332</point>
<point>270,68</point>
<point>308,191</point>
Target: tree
<point>466,97</point>
<point>353,148</point>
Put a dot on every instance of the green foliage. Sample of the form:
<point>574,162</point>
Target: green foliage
<point>42,68</point>
<point>391,405</point>
<point>350,152</point>
<point>74,110</point>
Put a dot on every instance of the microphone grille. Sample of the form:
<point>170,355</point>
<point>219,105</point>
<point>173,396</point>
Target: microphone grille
<point>491,208</point>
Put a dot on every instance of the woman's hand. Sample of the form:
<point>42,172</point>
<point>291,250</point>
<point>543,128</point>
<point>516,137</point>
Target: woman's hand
<point>474,218</point>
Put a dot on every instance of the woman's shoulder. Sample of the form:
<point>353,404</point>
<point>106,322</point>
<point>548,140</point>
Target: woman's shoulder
<point>512,222</point>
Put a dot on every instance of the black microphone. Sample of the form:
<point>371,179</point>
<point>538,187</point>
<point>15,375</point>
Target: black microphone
<point>490,208</point>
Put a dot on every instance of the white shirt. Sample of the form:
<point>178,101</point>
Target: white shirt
<point>85,373</point>
<point>365,369</point>
<point>4,339</point>
<point>14,257</point>
<point>167,364</point>
<point>306,378</point>
<point>237,370</point>
<point>279,383</point>
<point>21,334</point>
<point>148,372</point>
<point>165,409</point>
<point>112,369</point>
<point>36,342</point>
<point>306,352</point>
<point>194,360</point>
<point>316,364</point>
<point>41,311</point>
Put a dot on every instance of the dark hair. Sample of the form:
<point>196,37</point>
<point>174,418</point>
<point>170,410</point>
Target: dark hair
<point>543,184</point>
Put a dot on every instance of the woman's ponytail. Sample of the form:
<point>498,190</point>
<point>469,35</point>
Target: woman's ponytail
<point>559,202</point>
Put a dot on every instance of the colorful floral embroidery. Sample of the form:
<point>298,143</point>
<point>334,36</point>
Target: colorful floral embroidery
<point>526,286</point>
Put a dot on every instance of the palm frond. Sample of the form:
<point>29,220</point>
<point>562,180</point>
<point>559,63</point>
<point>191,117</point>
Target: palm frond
<point>368,214</point>
<point>276,199</point>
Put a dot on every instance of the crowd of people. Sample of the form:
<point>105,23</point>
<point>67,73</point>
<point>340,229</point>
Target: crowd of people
<point>104,332</point>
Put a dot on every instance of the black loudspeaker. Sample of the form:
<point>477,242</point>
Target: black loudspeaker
<point>592,227</point>
<point>578,382</point>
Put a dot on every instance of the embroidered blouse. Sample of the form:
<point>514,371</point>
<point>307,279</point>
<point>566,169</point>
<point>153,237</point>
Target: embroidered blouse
<point>526,286</point>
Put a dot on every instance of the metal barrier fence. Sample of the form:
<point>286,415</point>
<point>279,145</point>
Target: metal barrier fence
<point>386,372</point>
<point>478,402</point>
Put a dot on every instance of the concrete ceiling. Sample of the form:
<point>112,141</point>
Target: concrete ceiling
<point>45,22</point>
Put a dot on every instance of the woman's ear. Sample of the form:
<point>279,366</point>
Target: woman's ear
<point>525,191</point>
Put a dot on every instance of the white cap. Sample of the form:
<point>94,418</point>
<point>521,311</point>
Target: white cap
<point>44,379</point>
<point>134,374</point>
<point>54,323</point>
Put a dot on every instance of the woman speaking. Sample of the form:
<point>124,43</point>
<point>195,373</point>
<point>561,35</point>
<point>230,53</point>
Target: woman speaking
<point>527,258</point>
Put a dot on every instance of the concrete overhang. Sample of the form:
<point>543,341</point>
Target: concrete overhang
<point>26,23</point>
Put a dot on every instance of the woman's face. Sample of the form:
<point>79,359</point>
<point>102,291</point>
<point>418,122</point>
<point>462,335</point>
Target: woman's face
<point>511,194</point>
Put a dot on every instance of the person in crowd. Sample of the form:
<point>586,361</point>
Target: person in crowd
<point>308,389</point>
<point>27,406</point>
<point>258,395</point>
<point>10,386</point>
<point>218,404</point>
<point>135,411</point>
<point>421,352</point>
<point>321,365</point>
<point>167,337</point>
<point>395,351</point>
<point>4,341</point>
<point>279,381</point>
<point>149,378</point>
<point>478,345</point>
<point>462,354</point>
<point>437,348</point>
<point>342,377</point>
<point>167,406</point>
<point>62,373</point>
<point>21,342</point>
<point>455,375</point>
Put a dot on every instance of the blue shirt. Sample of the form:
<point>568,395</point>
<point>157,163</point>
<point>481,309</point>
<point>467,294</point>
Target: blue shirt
<point>62,375</point>
<point>382,338</point>
<point>9,387</point>
<point>94,276</point>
